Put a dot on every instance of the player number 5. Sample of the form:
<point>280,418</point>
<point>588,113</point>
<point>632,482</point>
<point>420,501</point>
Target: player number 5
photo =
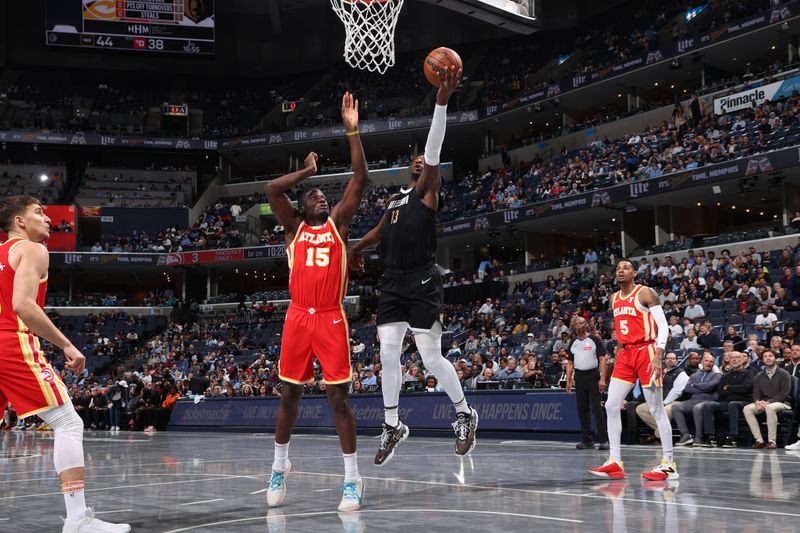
<point>318,256</point>
<point>623,327</point>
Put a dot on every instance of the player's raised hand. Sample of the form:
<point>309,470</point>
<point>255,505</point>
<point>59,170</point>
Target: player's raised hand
<point>75,359</point>
<point>311,162</point>
<point>356,261</point>
<point>449,84</point>
<point>349,112</point>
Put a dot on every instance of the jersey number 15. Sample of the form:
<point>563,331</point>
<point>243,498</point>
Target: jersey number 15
<point>318,256</point>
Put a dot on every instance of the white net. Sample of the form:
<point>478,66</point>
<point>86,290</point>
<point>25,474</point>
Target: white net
<point>369,32</point>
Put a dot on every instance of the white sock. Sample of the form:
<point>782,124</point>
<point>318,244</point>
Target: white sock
<point>391,417</point>
<point>462,407</point>
<point>351,467</point>
<point>74,499</point>
<point>281,457</point>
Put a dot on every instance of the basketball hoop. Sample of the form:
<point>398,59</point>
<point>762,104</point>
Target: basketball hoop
<point>369,32</point>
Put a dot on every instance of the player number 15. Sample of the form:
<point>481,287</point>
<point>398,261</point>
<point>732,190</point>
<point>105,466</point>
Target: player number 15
<point>318,256</point>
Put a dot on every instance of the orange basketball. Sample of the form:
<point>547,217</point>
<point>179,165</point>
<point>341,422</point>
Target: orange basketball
<point>437,63</point>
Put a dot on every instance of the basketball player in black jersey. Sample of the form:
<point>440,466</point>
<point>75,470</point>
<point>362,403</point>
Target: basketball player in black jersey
<point>411,288</point>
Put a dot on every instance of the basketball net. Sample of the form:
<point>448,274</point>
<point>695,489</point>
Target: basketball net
<point>369,32</point>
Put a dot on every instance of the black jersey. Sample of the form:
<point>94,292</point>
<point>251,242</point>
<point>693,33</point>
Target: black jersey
<point>408,240</point>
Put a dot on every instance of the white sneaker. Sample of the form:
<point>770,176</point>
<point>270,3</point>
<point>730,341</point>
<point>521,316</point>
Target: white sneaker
<point>90,524</point>
<point>276,491</point>
<point>352,495</point>
<point>795,446</point>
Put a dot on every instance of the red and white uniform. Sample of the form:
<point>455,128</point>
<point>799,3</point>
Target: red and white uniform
<point>27,379</point>
<point>636,331</point>
<point>316,325</point>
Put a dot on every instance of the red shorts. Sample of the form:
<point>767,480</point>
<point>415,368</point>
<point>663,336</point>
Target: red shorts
<point>26,378</point>
<point>632,362</point>
<point>308,333</point>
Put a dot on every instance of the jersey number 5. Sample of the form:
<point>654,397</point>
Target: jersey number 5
<point>623,327</point>
<point>318,256</point>
<point>395,216</point>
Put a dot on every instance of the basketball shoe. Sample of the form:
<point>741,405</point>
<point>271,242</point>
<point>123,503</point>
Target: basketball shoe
<point>465,426</point>
<point>390,439</point>
<point>90,524</point>
<point>663,471</point>
<point>352,495</point>
<point>612,469</point>
<point>276,491</point>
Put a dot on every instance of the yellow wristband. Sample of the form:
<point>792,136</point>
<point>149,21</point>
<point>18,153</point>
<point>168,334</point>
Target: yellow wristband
<point>351,133</point>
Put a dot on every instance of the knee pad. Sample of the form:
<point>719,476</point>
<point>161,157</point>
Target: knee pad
<point>68,432</point>
<point>392,333</point>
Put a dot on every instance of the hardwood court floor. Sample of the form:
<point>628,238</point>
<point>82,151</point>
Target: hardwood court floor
<point>179,481</point>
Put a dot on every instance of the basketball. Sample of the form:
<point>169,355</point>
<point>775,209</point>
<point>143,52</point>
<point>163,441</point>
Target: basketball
<point>437,63</point>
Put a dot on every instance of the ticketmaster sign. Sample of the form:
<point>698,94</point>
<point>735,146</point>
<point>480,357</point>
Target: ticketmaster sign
<point>755,96</point>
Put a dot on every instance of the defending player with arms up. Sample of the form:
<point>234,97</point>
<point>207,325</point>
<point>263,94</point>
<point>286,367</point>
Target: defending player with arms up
<point>27,379</point>
<point>411,288</point>
<point>316,325</point>
<point>642,331</point>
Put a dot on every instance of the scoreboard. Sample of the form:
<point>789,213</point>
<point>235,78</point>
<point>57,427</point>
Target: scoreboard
<point>177,26</point>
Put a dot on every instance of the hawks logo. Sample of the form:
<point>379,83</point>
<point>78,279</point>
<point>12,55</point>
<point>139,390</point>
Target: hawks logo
<point>198,10</point>
<point>47,375</point>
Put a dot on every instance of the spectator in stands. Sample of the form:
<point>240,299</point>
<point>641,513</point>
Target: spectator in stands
<point>765,322</point>
<point>98,407</point>
<point>733,336</point>
<point>530,346</point>
<point>520,328</point>
<point>511,372</point>
<point>487,308</point>
<point>674,382</point>
<point>708,336</point>
<point>690,341</point>
<point>694,311</point>
<point>792,365</point>
<point>701,388</point>
<point>745,300</point>
<point>675,329</point>
<point>734,392</point>
<point>770,395</point>
<point>544,347</point>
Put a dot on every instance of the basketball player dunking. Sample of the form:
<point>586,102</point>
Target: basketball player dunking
<point>316,325</point>
<point>26,378</point>
<point>411,288</point>
<point>642,332</point>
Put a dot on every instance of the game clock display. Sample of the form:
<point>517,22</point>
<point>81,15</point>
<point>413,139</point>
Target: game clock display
<point>176,26</point>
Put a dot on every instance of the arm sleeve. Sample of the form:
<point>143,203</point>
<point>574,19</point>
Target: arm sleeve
<point>661,323</point>
<point>433,147</point>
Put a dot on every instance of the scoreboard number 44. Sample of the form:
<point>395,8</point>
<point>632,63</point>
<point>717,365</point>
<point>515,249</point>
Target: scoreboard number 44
<point>104,40</point>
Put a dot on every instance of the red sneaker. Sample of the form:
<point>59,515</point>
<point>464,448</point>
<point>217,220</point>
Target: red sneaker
<point>664,471</point>
<point>610,469</point>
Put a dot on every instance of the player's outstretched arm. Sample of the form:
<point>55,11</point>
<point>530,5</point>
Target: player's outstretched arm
<point>429,184</point>
<point>343,213</point>
<point>33,265</point>
<point>373,236</point>
<point>281,205</point>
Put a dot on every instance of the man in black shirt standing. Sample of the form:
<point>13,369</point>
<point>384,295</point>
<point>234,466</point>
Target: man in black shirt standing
<point>587,359</point>
<point>411,289</point>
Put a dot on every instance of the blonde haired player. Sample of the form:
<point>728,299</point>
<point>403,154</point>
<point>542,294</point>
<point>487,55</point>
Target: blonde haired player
<point>642,331</point>
<point>27,379</point>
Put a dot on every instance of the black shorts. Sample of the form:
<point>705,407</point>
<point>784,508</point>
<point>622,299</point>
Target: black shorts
<point>413,297</point>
